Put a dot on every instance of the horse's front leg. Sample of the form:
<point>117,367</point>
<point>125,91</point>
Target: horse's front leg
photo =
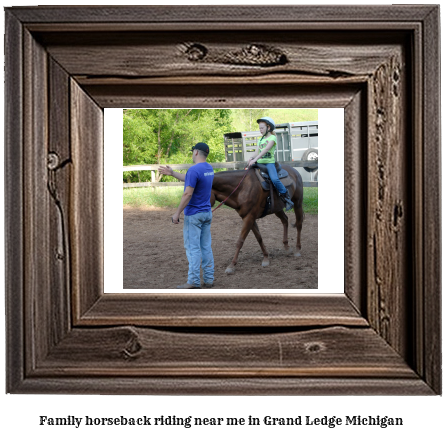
<point>257,235</point>
<point>248,222</point>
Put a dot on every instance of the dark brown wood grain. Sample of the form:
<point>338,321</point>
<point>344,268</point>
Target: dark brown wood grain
<point>216,309</point>
<point>64,65</point>
<point>230,94</point>
<point>355,176</point>
<point>167,385</point>
<point>14,239</point>
<point>213,15</point>
<point>109,57</point>
<point>59,167</point>
<point>388,273</point>
<point>129,351</point>
<point>37,307</point>
<point>430,319</point>
<point>86,198</point>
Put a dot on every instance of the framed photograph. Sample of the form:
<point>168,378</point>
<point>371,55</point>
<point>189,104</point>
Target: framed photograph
<point>150,248</point>
<point>65,65</point>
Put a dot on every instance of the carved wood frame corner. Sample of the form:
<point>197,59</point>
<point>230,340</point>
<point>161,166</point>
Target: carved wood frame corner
<point>63,67</point>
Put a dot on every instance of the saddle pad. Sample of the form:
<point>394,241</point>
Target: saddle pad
<point>263,182</point>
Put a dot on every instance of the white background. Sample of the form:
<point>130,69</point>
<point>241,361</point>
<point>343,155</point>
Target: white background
<point>19,414</point>
<point>330,219</point>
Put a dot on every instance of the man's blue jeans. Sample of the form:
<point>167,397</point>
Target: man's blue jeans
<point>197,238</point>
<point>272,172</point>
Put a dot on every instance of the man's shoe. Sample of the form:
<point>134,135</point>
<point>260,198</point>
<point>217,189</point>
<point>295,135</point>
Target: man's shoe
<point>207,285</point>
<point>187,286</point>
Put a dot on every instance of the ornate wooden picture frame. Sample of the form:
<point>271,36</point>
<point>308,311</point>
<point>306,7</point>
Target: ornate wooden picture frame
<point>64,65</point>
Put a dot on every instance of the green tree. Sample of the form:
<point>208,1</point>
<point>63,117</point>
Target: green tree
<point>167,135</point>
<point>245,119</point>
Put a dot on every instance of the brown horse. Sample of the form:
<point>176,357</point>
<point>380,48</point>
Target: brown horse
<point>249,200</point>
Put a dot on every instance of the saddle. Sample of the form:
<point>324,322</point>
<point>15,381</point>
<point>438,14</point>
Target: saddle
<point>262,174</point>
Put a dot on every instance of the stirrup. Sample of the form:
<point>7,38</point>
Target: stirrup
<point>287,200</point>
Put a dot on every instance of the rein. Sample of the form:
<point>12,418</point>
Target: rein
<point>221,203</point>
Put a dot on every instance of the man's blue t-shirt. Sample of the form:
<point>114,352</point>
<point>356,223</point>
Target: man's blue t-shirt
<point>199,176</point>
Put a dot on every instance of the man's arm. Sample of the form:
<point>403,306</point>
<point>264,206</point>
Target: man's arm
<point>166,170</point>
<point>186,197</point>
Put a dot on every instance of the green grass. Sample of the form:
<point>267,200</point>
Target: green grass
<point>170,197</point>
<point>154,196</point>
<point>310,200</point>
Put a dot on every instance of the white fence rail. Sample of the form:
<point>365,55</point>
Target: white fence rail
<point>236,165</point>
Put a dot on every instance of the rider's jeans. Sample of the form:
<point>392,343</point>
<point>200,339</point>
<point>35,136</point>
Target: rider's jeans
<point>197,238</point>
<point>272,172</point>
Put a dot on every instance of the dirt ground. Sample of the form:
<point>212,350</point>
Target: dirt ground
<point>154,256</point>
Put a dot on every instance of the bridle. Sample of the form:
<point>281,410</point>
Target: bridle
<point>221,203</point>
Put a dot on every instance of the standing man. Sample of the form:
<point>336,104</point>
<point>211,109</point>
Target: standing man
<point>196,203</point>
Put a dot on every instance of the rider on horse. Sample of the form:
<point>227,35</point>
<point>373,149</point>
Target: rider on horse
<point>264,154</point>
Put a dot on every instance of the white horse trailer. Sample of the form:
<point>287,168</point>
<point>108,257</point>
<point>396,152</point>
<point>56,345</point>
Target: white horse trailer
<point>296,141</point>
<point>304,147</point>
<point>240,146</point>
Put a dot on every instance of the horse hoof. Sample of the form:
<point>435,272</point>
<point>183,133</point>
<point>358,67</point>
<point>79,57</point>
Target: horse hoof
<point>229,271</point>
<point>265,264</point>
<point>297,254</point>
<point>288,251</point>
